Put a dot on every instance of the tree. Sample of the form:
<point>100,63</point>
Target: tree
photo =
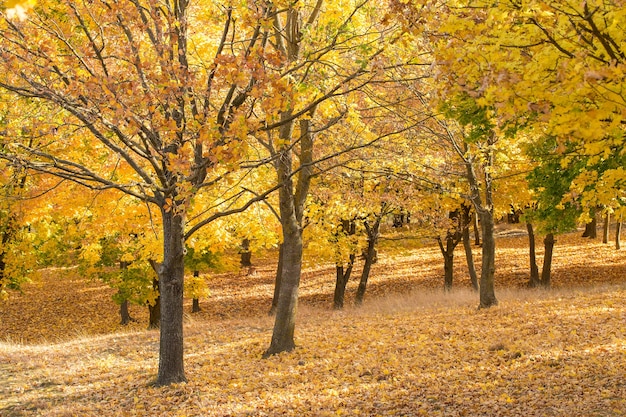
<point>549,180</point>
<point>143,113</point>
<point>328,55</point>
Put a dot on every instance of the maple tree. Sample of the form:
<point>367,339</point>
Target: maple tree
<point>329,51</point>
<point>152,108</point>
<point>552,66</point>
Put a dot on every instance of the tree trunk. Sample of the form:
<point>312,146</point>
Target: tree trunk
<point>487,275</point>
<point>469,256</point>
<point>618,234</point>
<point>590,228</point>
<point>534,270</point>
<point>342,278</point>
<point>476,229</point>
<point>606,228</point>
<point>154,310</point>
<point>125,317</point>
<point>448,265</point>
<point>291,206</point>
<point>124,313</point>
<point>195,303</point>
<point>171,281</point>
<point>279,273</point>
<point>370,258</point>
<point>285,323</point>
<point>548,243</point>
<point>246,254</point>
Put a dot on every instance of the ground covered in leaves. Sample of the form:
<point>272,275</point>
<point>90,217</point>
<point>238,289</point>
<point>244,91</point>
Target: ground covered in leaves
<point>409,351</point>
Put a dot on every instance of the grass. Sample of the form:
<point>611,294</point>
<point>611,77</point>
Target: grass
<point>410,350</point>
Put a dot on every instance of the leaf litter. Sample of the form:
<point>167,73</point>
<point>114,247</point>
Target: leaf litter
<point>411,350</point>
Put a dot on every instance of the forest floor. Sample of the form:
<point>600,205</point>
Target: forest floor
<point>410,350</point>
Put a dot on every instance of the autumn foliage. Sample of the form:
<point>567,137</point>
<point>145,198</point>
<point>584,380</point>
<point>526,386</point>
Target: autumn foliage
<point>253,156</point>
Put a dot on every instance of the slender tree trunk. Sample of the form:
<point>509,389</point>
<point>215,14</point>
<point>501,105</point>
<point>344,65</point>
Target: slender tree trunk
<point>154,310</point>
<point>124,313</point>
<point>342,278</point>
<point>487,276</point>
<point>548,243</point>
<point>125,317</point>
<point>246,254</point>
<point>171,282</point>
<point>476,229</point>
<point>277,280</point>
<point>534,270</point>
<point>448,262</point>
<point>195,303</point>
<point>618,233</point>
<point>469,256</point>
<point>606,228</point>
<point>370,258</point>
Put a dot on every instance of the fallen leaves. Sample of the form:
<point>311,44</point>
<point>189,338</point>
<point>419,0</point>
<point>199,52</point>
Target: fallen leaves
<point>538,353</point>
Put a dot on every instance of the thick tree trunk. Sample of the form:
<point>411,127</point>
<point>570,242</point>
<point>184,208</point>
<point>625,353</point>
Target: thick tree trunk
<point>277,280</point>
<point>487,275</point>
<point>591,228</point>
<point>606,228</point>
<point>285,323</point>
<point>534,270</point>
<point>342,278</point>
<point>171,281</point>
<point>618,234</point>
<point>548,243</point>
<point>195,303</point>
<point>291,206</point>
<point>370,259</point>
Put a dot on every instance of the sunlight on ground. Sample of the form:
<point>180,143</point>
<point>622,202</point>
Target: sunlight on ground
<point>410,350</point>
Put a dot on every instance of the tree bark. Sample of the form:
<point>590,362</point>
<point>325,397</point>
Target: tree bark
<point>246,254</point>
<point>548,243</point>
<point>124,313</point>
<point>606,228</point>
<point>284,325</point>
<point>448,263</point>
<point>487,276</point>
<point>591,228</point>
<point>618,234</point>
<point>195,303</point>
<point>154,310</point>
<point>277,280</point>
<point>534,270</point>
<point>370,257</point>
<point>291,204</point>
<point>171,282</point>
<point>125,317</point>
<point>469,256</point>
<point>342,278</point>
<point>476,229</point>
